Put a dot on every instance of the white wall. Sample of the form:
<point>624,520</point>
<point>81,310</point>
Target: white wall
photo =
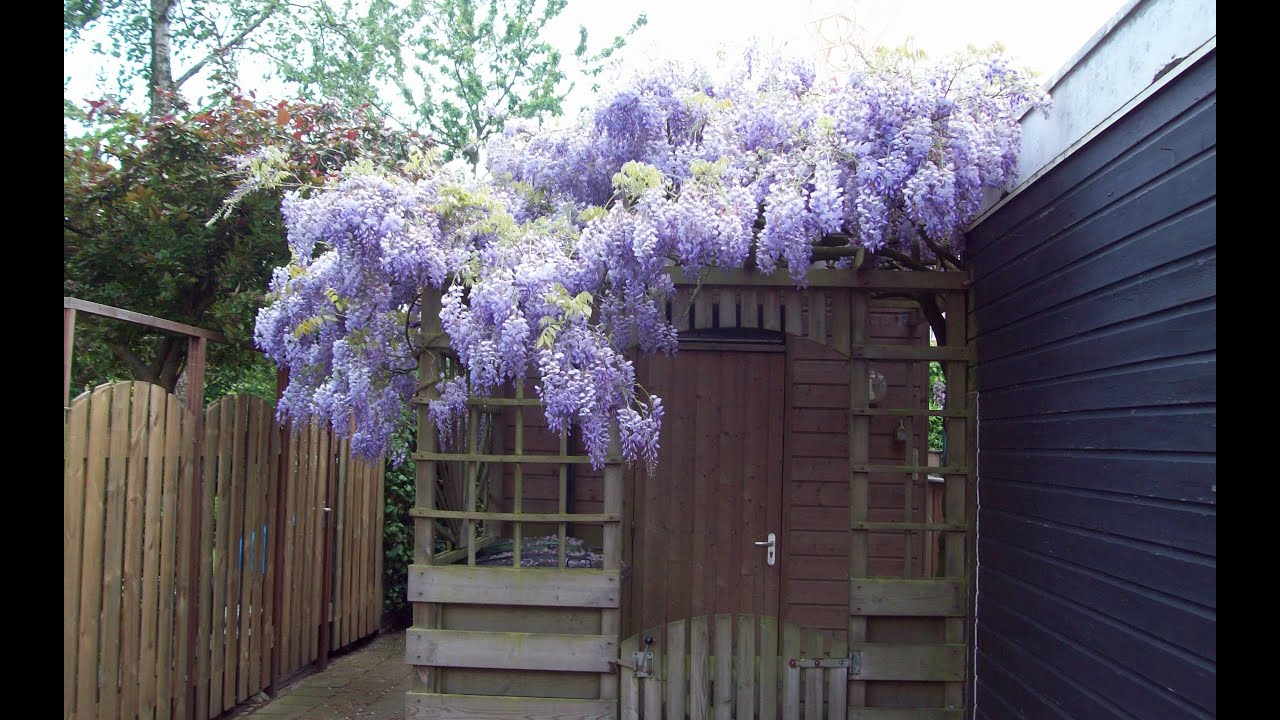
<point>1114,66</point>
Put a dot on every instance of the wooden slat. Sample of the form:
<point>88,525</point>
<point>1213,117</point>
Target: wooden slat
<point>744,678</point>
<point>813,693</point>
<point>423,706</point>
<point>252,536</point>
<point>916,662</point>
<point>905,526</point>
<point>651,687</point>
<point>168,678</point>
<point>771,310</point>
<point>723,686</point>
<point>131,619</point>
<point>74,516</point>
<point>343,556</point>
<point>113,552</point>
<point>837,693</point>
<point>629,703</point>
<point>817,301</point>
<point>791,304</point>
<point>909,352</point>
<point>840,309</point>
<point>510,650</point>
<point>699,679</point>
<point>271,495</point>
<point>488,458</point>
<point>565,517</point>
<point>905,714</point>
<point>152,523</point>
<point>702,308</point>
<point>906,597</point>
<point>235,534</point>
<point>749,314</point>
<point>876,279</point>
<point>675,651</point>
<point>680,309</point>
<point>768,667</point>
<point>222,533</point>
<point>570,587</point>
<point>288,613</point>
<point>790,675</point>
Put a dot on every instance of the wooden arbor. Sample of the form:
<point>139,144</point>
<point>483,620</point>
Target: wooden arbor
<point>545,642</point>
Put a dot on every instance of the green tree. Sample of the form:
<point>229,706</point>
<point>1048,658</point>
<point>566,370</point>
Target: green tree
<point>458,69</point>
<point>138,196</point>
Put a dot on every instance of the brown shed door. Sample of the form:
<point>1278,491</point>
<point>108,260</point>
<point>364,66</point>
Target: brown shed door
<point>718,487</point>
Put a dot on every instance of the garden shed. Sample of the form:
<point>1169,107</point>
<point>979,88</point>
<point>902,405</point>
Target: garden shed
<point>777,553</point>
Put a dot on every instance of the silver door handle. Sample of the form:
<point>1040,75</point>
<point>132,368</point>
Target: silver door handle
<point>772,544</point>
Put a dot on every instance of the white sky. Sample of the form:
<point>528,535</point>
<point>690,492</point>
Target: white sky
<point>1038,34</point>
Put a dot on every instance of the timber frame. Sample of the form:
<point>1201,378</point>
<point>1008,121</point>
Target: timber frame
<point>545,642</point>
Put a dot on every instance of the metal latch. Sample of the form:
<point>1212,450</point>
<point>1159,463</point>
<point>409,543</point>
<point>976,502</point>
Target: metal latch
<point>642,661</point>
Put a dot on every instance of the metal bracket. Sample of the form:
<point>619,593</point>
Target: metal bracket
<point>642,663</point>
<point>853,663</point>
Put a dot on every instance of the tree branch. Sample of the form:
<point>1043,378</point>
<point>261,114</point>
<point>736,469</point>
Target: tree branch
<point>230,45</point>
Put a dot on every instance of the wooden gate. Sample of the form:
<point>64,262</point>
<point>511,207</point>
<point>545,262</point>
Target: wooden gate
<point>731,666</point>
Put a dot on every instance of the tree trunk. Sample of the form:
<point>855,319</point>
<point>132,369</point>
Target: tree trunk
<point>161,56</point>
<point>163,371</point>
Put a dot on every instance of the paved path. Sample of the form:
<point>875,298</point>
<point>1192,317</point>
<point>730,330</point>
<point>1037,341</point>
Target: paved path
<point>368,683</point>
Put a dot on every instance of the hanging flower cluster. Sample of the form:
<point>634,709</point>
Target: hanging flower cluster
<point>560,264</point>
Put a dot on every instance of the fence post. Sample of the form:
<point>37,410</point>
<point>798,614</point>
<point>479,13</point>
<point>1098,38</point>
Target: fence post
<point>281,521</point>
<point>68,347</point>
<point>196,347</point>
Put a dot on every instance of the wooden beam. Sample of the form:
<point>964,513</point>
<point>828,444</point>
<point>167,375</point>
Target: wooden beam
<point>583,518</point>
<point>868,279</point>
<point>511,650</point>
<point>523,459</point>
<point>906,597</point>
<point>909,662</point>
<point>451,556</point>
<point>547,587</point>
<point>148,320</point>
<point>431,706</point>
<point>910,352</point>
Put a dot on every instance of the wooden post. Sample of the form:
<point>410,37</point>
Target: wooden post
<point>196,347</point>
<point>955,492</point>
<point>68,349</point>
<point>426,615</point>
<point>281,522</point>
<point>859,455</point>
<point>609,618</point>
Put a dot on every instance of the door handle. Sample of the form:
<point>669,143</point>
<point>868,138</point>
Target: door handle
<point>772,544</point>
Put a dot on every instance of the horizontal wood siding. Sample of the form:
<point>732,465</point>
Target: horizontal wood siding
<point>1095,305</point>
<point>815,546</point>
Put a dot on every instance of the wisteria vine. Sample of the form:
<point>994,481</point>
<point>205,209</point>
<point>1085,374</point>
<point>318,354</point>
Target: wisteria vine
<point>558,264</point>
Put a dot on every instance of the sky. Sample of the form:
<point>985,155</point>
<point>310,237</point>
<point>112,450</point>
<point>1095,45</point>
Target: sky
<point>1038,34</point>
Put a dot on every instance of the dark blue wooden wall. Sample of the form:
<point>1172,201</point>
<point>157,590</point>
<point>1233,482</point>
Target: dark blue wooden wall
<point>1095,306</point>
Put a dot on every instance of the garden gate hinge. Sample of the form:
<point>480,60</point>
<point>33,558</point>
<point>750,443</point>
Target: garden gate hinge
<point>853,663</point>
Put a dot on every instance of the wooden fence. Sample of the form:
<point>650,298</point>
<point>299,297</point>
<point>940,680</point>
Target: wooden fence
<point>251,568</point>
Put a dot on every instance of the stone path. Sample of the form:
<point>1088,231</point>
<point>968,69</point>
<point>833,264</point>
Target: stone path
<point>368,683</point>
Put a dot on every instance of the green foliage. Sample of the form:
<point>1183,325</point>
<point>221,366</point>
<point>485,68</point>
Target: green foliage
<point>935,423</point>
<point>397,527</point>
<point>137,199</point>
<point>462,68</point>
